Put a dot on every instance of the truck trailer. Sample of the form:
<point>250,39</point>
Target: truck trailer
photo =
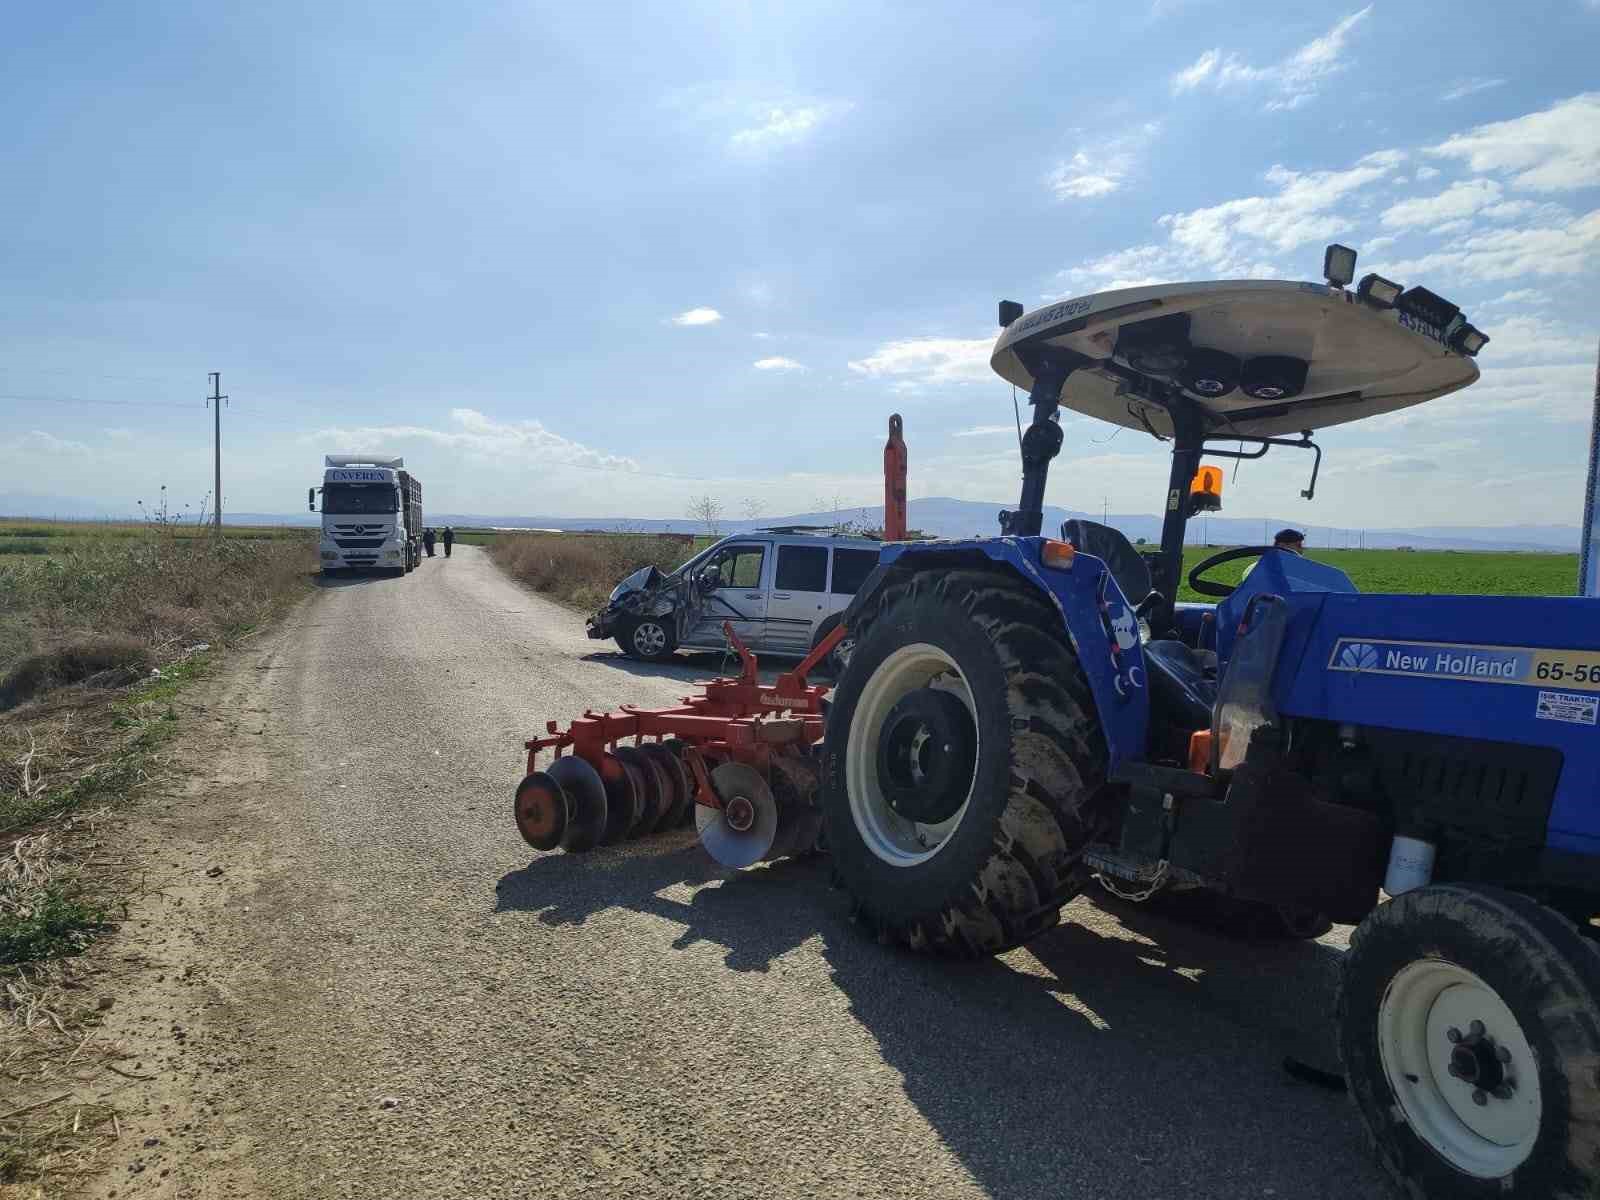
<point>371,514</point>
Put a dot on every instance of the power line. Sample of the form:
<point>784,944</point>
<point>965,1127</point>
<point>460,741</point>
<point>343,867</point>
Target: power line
<point>247,415</point>
<point>30,399</point>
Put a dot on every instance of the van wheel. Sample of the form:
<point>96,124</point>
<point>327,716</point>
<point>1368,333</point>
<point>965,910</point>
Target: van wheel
<point>647,638</point>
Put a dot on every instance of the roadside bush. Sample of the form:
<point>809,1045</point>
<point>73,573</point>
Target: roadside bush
<point>581,570</point>
<point>45,923</point>
<point>113,661</point>
<point>102,603</point>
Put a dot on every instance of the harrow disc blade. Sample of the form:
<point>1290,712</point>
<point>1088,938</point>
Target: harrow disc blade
<point>740,833</point>
<point>587,802</point>
<point>677,781</point>
<point>541,810</point>
<point>648,786</point>
<point>675,748</point>
<point>664,789</point>
<point>622,796</point>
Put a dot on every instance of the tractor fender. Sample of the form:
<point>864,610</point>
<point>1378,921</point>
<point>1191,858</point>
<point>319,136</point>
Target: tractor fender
<point>1099,622</point>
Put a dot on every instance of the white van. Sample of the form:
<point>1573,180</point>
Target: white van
<point>782,590</point>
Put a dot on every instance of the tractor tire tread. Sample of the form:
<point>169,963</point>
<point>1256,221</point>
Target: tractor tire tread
<point>1057,770</point>
<point>1561,968</point>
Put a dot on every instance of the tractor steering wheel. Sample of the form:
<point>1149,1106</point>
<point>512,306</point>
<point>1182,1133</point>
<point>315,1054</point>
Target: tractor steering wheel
<point>1208,587</point>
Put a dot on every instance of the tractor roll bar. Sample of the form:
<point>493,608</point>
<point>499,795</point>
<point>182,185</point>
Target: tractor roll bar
<point>1042,441</point>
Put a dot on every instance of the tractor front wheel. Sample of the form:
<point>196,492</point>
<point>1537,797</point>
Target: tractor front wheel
<point>1469,1025</point>
<point>962,763</point>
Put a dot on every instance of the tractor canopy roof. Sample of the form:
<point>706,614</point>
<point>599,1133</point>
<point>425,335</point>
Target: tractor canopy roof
<point>1302,356</point>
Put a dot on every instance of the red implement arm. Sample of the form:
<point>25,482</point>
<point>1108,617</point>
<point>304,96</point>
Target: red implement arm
<point>894,484</point>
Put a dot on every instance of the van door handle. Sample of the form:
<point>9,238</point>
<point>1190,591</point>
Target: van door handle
<point>752,595</point>
<point>780,595</point>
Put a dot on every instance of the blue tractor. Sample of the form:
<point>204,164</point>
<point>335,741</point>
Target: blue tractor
<point>1023,714</point>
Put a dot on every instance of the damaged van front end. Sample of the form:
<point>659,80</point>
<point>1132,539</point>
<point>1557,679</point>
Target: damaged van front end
<point>641,614</point>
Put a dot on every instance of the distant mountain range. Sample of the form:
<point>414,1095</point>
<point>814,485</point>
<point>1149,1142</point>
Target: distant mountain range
<point>940,516</point>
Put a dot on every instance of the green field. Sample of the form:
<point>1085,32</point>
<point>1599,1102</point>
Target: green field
<point>1430,572</point>
<point>34,539</point>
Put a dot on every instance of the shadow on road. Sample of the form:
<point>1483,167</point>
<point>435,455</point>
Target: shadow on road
<point>699,664</point>
<point>351,578</point>
<point>1123,1045</point>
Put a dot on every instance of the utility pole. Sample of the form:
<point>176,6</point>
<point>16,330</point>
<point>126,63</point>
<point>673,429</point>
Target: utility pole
<point>1589,541</point>
<point>215,401</point>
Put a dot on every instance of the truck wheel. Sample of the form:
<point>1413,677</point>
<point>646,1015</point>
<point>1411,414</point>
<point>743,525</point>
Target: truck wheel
<point>961,765</point>
<point>647,638</point>
<point>1469,1025</point>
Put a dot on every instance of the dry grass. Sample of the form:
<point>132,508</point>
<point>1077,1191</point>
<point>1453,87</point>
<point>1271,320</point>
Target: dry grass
<point>581,571</point>
<point>97,639</point>
<point>62,883</point>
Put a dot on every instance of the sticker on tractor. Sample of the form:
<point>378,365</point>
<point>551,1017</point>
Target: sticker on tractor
<point>1572,707</point>
<point>1480,664</point>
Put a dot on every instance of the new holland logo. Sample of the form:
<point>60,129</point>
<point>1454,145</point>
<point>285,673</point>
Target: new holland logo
<point>1358,656</point>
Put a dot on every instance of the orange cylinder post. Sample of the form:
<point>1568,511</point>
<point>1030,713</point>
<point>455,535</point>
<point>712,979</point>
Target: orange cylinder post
<point>894,483</point>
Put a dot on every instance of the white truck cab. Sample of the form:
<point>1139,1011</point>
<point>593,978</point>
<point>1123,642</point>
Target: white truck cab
<point>371,514</point>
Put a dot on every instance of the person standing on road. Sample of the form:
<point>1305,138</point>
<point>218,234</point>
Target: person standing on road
<point>449,540</point>
<point>427,540</point>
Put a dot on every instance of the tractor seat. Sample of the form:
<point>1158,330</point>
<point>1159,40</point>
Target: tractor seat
<point>1183,682</point>
<point>1111,547</point>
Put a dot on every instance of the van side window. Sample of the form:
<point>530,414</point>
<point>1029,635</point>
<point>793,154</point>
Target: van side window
<point>850,570</point>
<point>739,566</point>
<point>802,569</point>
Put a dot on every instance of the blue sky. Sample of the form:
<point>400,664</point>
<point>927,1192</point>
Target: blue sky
<point>586,259</point>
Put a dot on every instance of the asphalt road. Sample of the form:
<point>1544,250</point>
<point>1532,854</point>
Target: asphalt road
<point>638,1021</point>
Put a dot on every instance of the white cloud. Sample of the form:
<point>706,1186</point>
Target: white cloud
<point>762,337</point>
<point>984,430</point>
<point>1426,173</point>
<point>1529,336</point>
<point>1297,77</point>
<point>1521,296</point>
<point>1239,239</point>
<point>1458,200</point>
<point>37,441</point>
<point>1557,149</point>
<point>1079,179</point>
<point>1495,254</point>
<point>119,435</point>
<point>929,360</point>
<point>1468,87</point>
<point>777,363</point>
<point>786,124</point>
<point>1099,168</point>
<point>1202,69</point>
<point>698,316</point>
<point>1557,393</point>
<point>477,434</point>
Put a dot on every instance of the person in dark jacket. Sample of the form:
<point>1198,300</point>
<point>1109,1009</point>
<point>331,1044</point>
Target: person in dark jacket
<point>427,540</point>
<point>449,540</point>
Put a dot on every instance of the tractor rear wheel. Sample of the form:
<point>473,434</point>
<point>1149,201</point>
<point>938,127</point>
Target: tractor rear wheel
<point>1469,1026</point>
<point>962,765</point>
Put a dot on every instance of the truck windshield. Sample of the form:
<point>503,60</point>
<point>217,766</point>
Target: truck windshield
<point>359,498</point>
